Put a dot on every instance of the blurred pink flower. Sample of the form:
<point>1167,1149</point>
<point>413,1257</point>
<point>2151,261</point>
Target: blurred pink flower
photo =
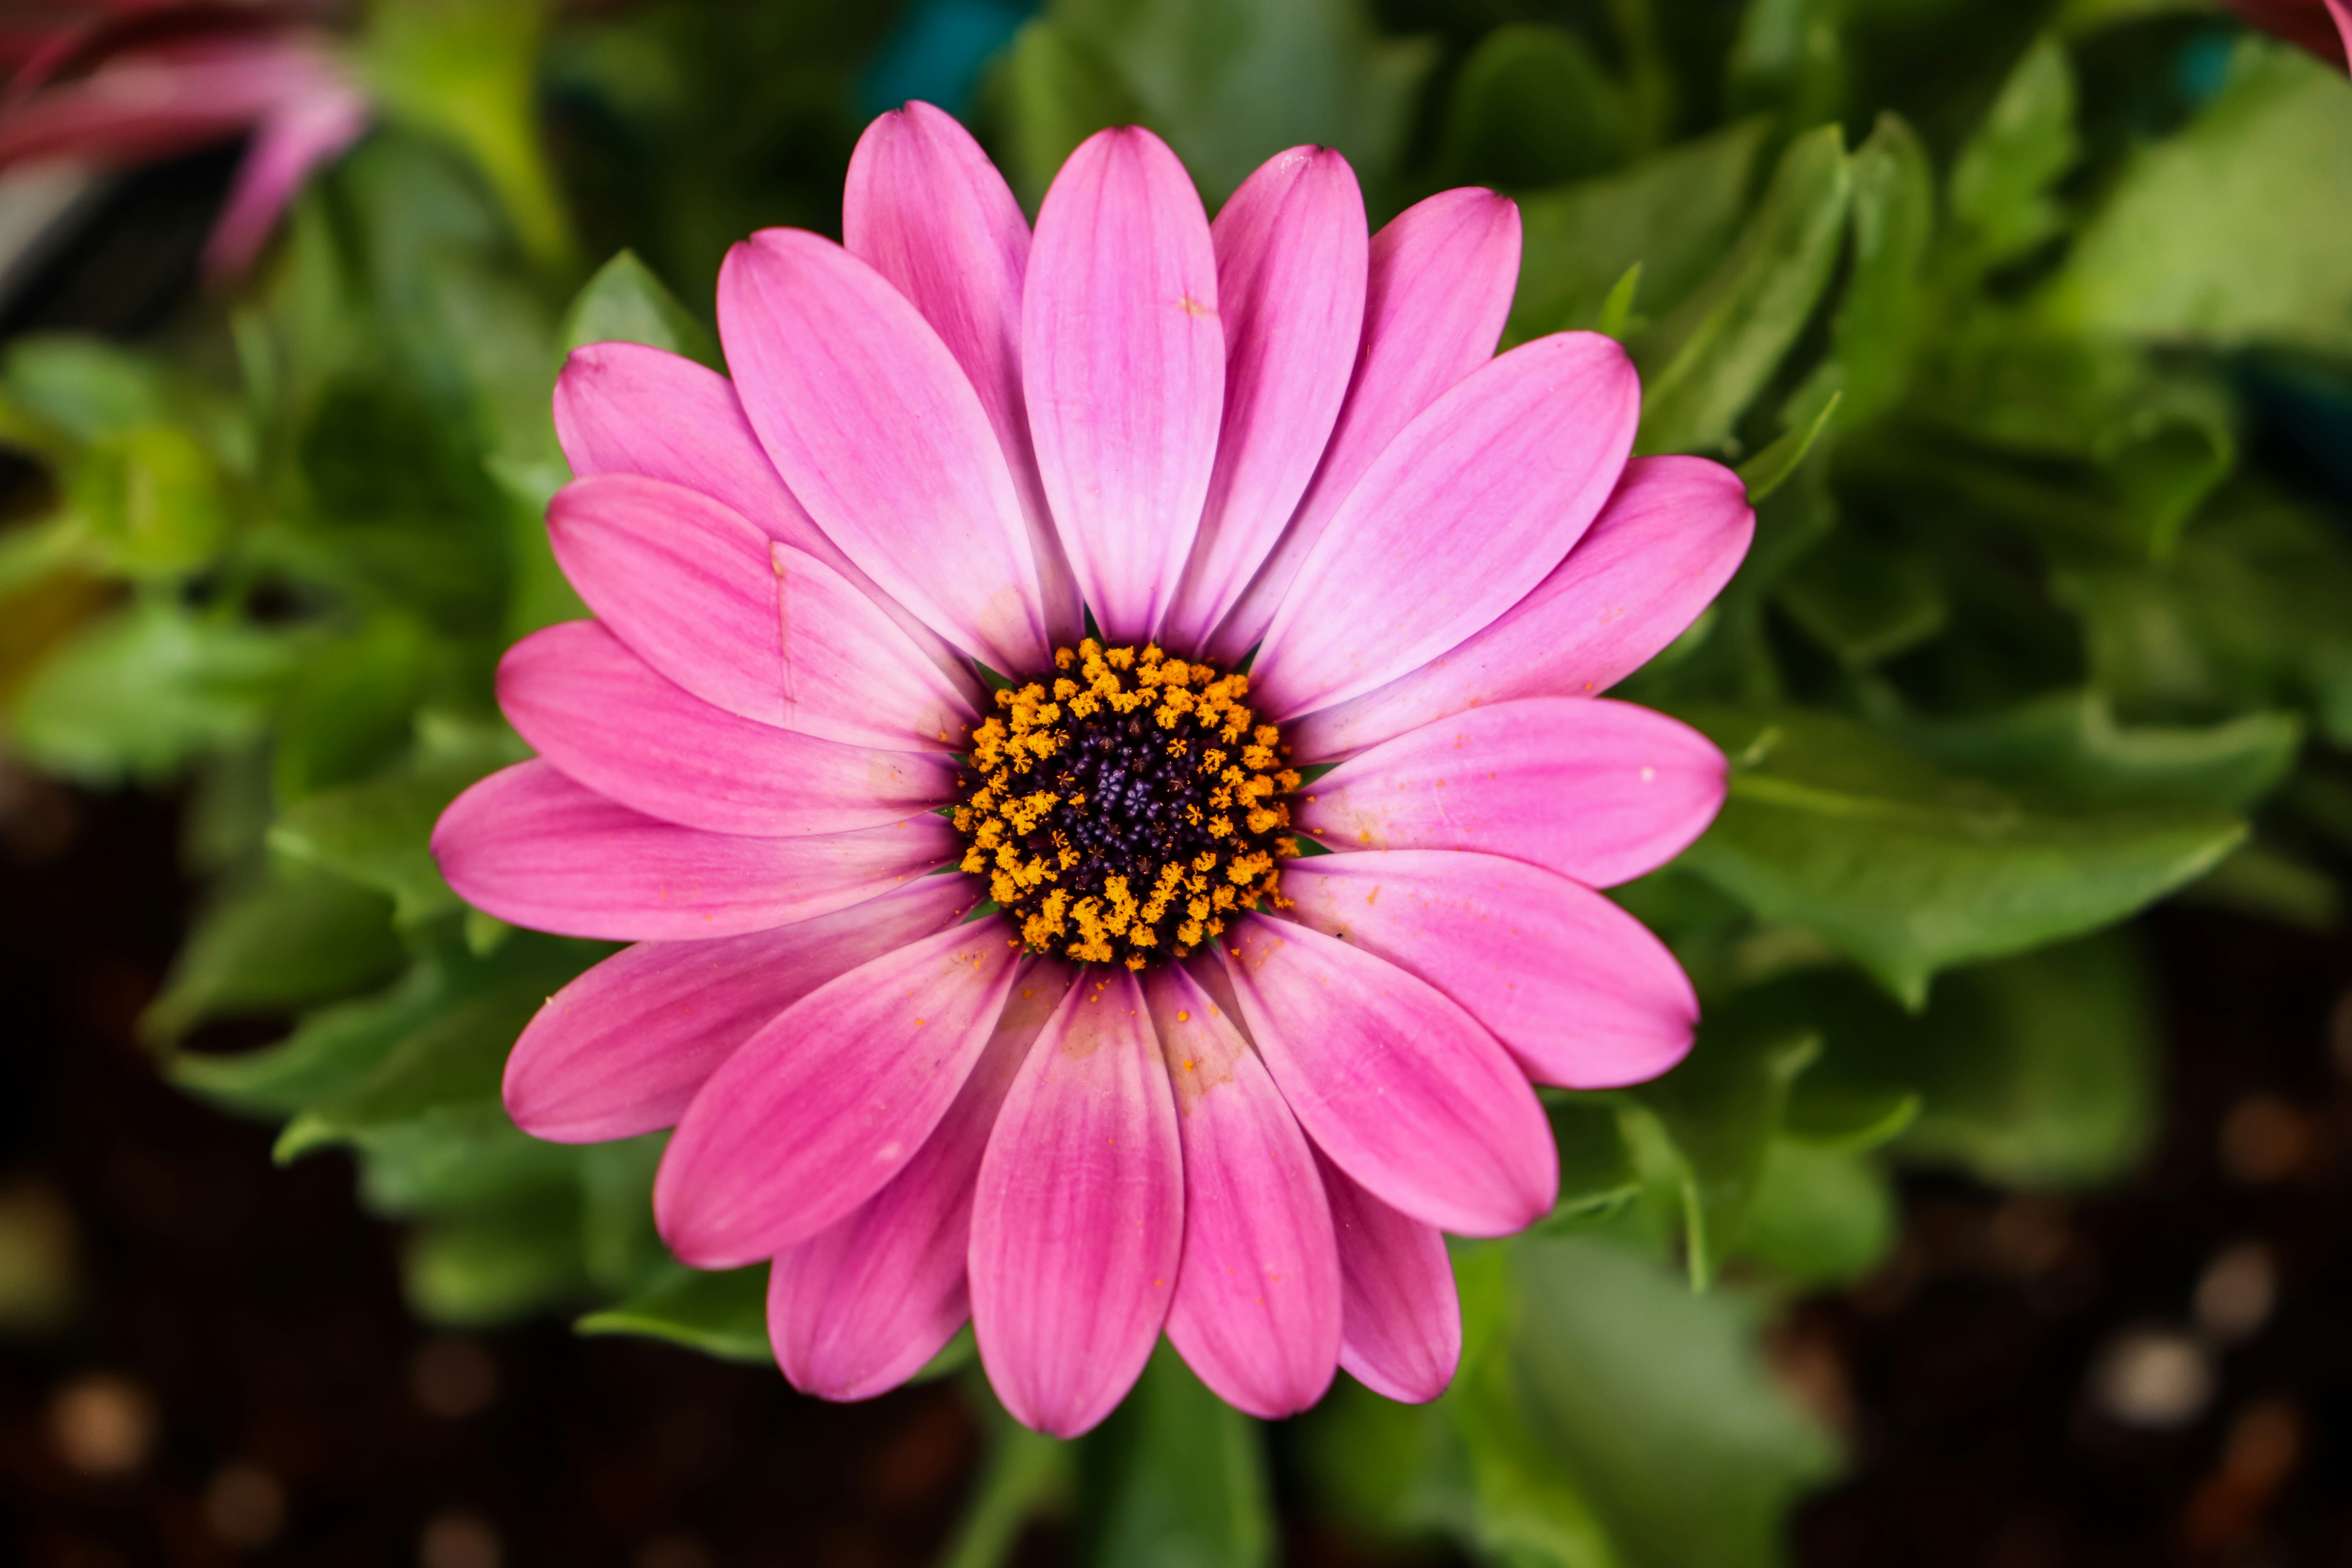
<point>2322,27</point>
<point>1180,1076</point>
<point>122,81</point>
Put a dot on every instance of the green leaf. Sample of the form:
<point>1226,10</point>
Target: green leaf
<point>1864,600</point>
<point>1179,1477</point>
<point>1671,214</point>
<point>1051,94</point>
<point>350,709</point>
<point>1790,56</point>
<point>2001,183</point>
<point>136,696</point>
<point>1883,314</point>
<point>493,1266</point>
<point>1024,1474</point>
<point>723,1315</point>
<point>153,499</point>
<point>1822,1216</point>
<point>457,1158</point>
<point>624,302</point>
<point>1532,107</point>
<point>1769,469</point>
<point>1596,1178</point>
<point>1707,359</point>
<point>1720,1108</point>
<point>288,939</point>
<point>1835,829</point>
<point>2262,260</point>
<point>379,834</point>
<point>1232,82</point>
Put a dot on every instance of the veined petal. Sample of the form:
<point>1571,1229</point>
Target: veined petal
<point>1596,789</point>
<point>1079,1221</point>
<point>621,1049</point>
<point>532,847</point>
<point>1290,248</point>
<point>858,1309</point>
<point>748,625</point>
<point>925,209</point>
<point>1124,366</point>
<point>292,141</point>
<point>1256,1314</point>
<point>1400,1333</point>
<point>870,421</point>
<point>1439,279</point>
<point>1577,989</point>
<point>1394,1081</point>
<point>1660,552</point>
<point>829,1101</point>
<point>1468,509</point>
<point>600,713</point>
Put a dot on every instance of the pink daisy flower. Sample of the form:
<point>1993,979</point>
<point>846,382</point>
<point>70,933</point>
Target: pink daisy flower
<point>1023,1004</point>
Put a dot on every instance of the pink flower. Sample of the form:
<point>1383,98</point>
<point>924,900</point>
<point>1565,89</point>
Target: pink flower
<point>2322,26</point>
<point>1116,1097</point>
<point>136,81</point>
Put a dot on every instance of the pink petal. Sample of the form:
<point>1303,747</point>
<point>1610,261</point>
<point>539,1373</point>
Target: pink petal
<point>1078,1222</point>
<point>870,421</point>
<point>532,847</point>
<point>1290,288</point>
<point>1125,365</point>
<point>1469,508</point>
<point>1658,553</point>
<point>293,141</point>
<point>1256,1314</point>
<point>1401,1328</point>
<point>600,713</point>
<point>1396,1083</point>
<point>748,624</point>
<point>621,1049</point>
<point>1577,989</point>
<point>1594,788</point>
<point>1439,282</point>
<point>925,209</point>
<point>858,1309</point>
<point>829,1101</point>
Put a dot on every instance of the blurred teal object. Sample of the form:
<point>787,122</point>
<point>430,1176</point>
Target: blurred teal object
<point>936,52</point>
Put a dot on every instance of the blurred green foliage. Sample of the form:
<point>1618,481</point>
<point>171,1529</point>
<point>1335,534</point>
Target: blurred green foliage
<point>1979,297</point>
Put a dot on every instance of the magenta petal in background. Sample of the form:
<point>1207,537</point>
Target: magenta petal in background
<point>1256,1314</point>
<point>856,1310</point>
<point>830,1101</point>
<point>1472,505</point>
<point>1124,364</point>
<point>621,1049</point>
<point>1596,789</point>
<point>292,141</point>
<point>1439,279</point>
<point>1290,250</point>
<point>532,846</point>
<point>872,423</point>
<point>600,713</point>
<point>925,209</point>
<point>1404,1089</point>
<point>1401,1331</point>
<point>1577,989</point>
<point>1660,552</point>
<point>1078,1222</point>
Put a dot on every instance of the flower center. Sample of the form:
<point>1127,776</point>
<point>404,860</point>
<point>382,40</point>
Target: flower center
<point>1127,807</point>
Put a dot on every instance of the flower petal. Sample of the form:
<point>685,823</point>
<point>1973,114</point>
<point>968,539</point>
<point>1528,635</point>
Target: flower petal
<point>925,209</point>
<point>1079,1221</point>
<point>1400,1332</point>
<point>858,1309</point>
<point>292,141</point>
<point>1124,364</point>
<point>1596,789</point>
<point>1577,989</point>
<point>1395,1082</point>
<point>870,421</point>
<point>1256,1314</point>
<point>532,846</point>
<point>1290,248</point>
<point>1470,507</point>
<point>1660,552</point>
<point>748,625</point>
<point>829,1101</point>
<point>600,713</point>
<point>621,1049</point>
<point>1439,279</point>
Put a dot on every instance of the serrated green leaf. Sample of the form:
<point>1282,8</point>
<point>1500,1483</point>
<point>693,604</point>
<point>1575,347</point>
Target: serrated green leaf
<point>379,834</point>
<point>350,709</point>
<point>1836,830</point>
<point>288,939</point>
<point>625,302</point>
<point>723,1314</point>
<point>1707,360</point>
<point>1883,314</point>
<point>1864,600</point>
<point>2001,200</point>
